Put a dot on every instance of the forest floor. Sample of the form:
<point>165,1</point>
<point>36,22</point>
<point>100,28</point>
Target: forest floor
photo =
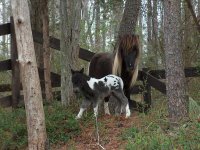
<point>111,129</point>
<point>140,131</point>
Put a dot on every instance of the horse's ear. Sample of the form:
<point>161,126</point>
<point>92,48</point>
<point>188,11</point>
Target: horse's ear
<point>82,70</point>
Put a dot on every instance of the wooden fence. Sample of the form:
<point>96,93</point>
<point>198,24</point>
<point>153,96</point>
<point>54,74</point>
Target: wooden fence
<point>149,78</point>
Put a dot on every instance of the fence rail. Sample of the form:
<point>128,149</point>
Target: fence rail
<point>150,78</point>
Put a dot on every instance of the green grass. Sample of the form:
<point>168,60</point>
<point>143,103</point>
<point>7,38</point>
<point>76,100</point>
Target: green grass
<point>153,133</point>
<point>60,124</point>
<point>150,133</point>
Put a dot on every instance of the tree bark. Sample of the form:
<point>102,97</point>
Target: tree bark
<point>187,39</point>
<point>70,12</point>
<point>46,49</point>
<point>149,31</point>
<point>3,43</point>
<point>104,27</point>
<point>36,24</point>
<point>129,19</point>
<point>117,12</point>
<point>97,25</point>
<point>149,22</point>
<point>29,73</point>
<point>193,15</point>
<point>155,33</point>
<point>175,77</point>
<point>198,10</point>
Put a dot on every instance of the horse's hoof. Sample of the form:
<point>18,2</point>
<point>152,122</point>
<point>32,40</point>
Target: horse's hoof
<point>128,115</point>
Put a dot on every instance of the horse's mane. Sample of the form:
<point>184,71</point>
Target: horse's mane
<point>127,43</point>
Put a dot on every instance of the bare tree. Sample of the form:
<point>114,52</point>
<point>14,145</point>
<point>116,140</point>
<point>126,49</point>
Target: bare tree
<point>97,25</point>
<point>46,49</point>
<point>36,24</point>
<point>37,137</point>
<point>130,17</point>
<point>149,30</point>
<point>175,77</point>
<point>117,13</point>
<point>70,13</point>
<point>155,32</point>
<point>193,15</point>
<point>187,39</point>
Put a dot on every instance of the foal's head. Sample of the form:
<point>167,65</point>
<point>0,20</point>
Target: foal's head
<point>77,79</point>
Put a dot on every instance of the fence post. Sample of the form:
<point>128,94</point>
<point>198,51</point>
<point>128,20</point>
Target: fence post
<point>15,68</point>
<point>147,89</point>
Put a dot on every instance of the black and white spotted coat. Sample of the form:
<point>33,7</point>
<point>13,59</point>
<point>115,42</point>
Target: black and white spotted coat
<point>113,82</point>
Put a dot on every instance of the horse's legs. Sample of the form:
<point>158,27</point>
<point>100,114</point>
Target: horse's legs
<point>122,99</point>
<point>132,103</point>
<point>106,107</point>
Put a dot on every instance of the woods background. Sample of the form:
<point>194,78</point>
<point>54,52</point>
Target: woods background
<point>99,26</point>
<point>96,25</point>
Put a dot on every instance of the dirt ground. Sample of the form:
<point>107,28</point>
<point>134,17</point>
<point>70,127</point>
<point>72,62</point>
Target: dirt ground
<point>110,131</point>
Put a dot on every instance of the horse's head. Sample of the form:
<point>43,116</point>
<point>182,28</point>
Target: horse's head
<point>129,51</point>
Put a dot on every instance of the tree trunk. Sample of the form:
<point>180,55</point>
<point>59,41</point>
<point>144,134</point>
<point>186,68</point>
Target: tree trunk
<point>196,21</point>
<point>89,24</point>
<point>46,49</point>
<point>30,79</point>
<point>149,22</point>
<point>97,25</point>
<point>187,39</point>
<point>117,12</point>
<point>53,12</point>
<point>155,33</point>
<point>149,32</point>
<point>3,43</point>
<point>84,36</point>
<point>36,24</point>
<point>104,27</point>
<point>70,13</point>
<point>141,34</point>
<point>175,77</point>
<point>199,10</point>
<point>129,19</point>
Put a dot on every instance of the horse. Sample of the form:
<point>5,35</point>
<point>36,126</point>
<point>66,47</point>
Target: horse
<point>124,63</point>
<point>95,90</point>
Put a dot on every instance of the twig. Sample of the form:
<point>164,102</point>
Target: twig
<point>97,132</point>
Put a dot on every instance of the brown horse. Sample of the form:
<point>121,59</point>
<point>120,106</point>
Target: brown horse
<point>123,63</point>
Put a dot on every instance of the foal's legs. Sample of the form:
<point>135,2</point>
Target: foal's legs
<point>119,94</point>
<point>85,104</point>
<point>106,107</point>
<point>95,107</point>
